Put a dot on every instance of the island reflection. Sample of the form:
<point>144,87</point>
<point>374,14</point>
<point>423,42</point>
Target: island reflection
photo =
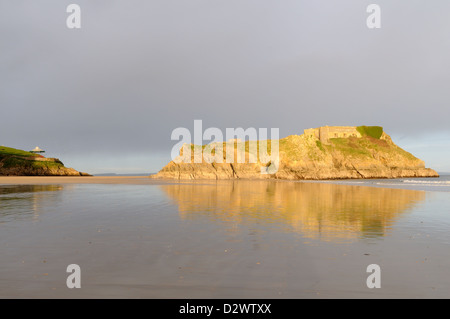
<point>316,210</point>
<point>24,201</point>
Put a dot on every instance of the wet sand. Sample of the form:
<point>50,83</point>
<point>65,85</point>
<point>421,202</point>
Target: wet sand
<point>35,180</point>
<point>135,237</point>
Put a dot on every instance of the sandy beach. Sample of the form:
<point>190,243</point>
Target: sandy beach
<point>31,180</point>
<point>135,237</point>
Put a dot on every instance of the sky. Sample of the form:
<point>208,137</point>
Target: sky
<point>105,98</point>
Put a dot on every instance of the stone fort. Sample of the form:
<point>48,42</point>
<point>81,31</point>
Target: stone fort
<point>324,133</point>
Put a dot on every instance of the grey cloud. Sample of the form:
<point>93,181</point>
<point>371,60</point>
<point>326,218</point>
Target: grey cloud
<point>138,69</point>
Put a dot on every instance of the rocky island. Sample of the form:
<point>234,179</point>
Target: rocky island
<point>330,152</point>
<point>14,162</point>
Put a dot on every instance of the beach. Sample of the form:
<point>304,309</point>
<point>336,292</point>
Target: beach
<point>134,237</point>
<point>29,180</point>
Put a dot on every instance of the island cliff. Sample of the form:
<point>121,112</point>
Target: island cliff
<point>340,152</point>
<point>14,162</point>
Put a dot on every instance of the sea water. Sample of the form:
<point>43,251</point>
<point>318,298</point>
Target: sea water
<point>441,183</point>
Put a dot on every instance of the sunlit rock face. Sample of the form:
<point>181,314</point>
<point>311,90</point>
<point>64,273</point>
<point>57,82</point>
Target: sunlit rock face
<point>324,153</point>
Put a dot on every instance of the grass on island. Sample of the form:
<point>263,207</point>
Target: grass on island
<point>12,157</point>
<point>364,147</point>
<point>10,162</point>
<point>356,147</point>
<point>12,151</point>
<point>372,131</point>
<point>247,147</point>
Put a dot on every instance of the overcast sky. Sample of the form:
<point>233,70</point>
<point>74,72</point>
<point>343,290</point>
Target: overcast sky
<point>106,97</point>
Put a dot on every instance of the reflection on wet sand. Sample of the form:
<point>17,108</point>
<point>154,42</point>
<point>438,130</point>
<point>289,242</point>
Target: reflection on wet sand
<point>22,201</point>
<point>316,210</point>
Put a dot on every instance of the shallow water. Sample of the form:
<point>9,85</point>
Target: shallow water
<point>440,184</point>
<point>228,239</point>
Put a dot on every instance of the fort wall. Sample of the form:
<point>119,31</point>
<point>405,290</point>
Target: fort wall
<point>324,133</point>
